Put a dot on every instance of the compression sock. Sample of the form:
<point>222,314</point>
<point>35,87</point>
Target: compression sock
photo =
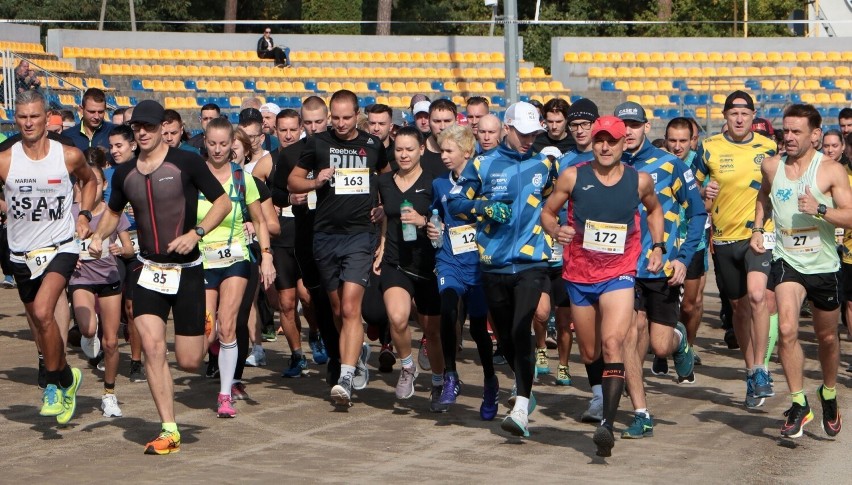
<point>773,338</point>
<point>449,317</point>
<point>595,371</point>
<point>66,377</point>
<point>227,364</point>
<point>613,386</point>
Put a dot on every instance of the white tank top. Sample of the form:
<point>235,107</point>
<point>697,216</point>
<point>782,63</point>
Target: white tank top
<point>39,194</point>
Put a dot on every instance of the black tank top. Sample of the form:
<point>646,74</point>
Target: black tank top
<point>617,204</point>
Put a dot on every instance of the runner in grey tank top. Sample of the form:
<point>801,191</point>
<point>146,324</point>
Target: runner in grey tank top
<point>808,196</point>
<point>41,238</point>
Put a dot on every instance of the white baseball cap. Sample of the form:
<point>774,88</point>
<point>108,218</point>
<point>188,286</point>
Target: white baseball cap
<point>524,117</point>
<point>270,108</point>
<point>421,107</point>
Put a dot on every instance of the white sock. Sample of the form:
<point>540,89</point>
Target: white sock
<point>679,337</point>
<point>521,404</point>
<point>642,411</point>
<point>227,366</point>
<point>347,370</point>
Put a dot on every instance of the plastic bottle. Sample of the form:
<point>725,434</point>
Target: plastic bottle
<point>409,231</point>
<point>436,221</point>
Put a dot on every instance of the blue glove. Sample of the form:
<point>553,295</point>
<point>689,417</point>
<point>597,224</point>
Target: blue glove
<point>498,212</point>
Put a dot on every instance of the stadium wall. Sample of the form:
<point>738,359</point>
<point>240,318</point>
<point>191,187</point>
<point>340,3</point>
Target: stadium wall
<point>59,38</point>
<point>21,33</point>
<point>562,71</point>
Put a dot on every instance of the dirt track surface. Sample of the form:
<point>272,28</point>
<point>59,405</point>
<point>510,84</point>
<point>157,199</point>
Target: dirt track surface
<point>289,430</point>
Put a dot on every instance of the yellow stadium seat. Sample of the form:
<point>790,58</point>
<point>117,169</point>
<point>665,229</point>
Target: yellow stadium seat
<point>714,57</point>
<point>567,57</point>
<point>827,71</point>
<point>843,71</point>
<point>751,71</point>
<point>646,100</point>
<point>743,56</point>
<point>665,86</point>
<point>584,57</point>
<point>609,72</point>
<point>767,71</point>
<point>782,84</point>
<point>404,56</point>
<point>643,57</point>
<point>634,98</point>
<point>818,56</point>
<point>637,72</point>
<point>622,72</point>
<point>812,71</point>
<point>725,71</point>
<point>497,57</point>
<point>798,71</point>
<point>392,72</point>
<point>666,71</point>
<point>680,72</point>
<point>650,72</point>
<point>635,85</point>
<point>840,98</point>
<point>823,98</point>
<point>157,85</point>
<point>106,69</point>
<point>622,85</point>
<point>524,73</point>
<point>649,85</point>
<point>599,57</point>
<point>670,56</point>
<point>528,86</point>
<point>808,98</point>
<point>773,56</point>
<point>758,57</point>
<point>833,56</point>
<point>483,73</point>
<point>685,57</point>
<point>803,56</point>
<point>729,56</point>
<point>335,86</point>
<point>626,56</point>
<point>812,84</point>
<point>699,57</point>
<point>613,57</point>
<point>541,86</point>
<point>695,72</point>
<point>595,72</point>
<point>169,102</point>
<point>657,57</point>
<point>661,100</point>
<point>703,72</point>
<point>783,71</point>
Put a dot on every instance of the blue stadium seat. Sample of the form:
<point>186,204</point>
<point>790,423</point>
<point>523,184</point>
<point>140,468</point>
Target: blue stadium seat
<point>689,113</point>
<point>190,84</point>
<point>136,85</point>
<point>249,85</point>
<point>778,98</point>
<point>691,100</point>
<point>525,98</point>
<point>374,86</point>
<point>752,84</point>
<point>672,113</point>
<point>224,102</point>
<point>833,112</point>
<point>361,103</point>
<point>110,100</point>
<point>795,98</point>
<point>501,85</point>
<point>106,83</point>
<point>704,99</point>
<point>370,100</point>
<point>195,132</point>
<point>133,100</point>
<point>498,101</point>
<point>296,101</point>
<point>234,117</point>
<point>608,86</point>
<point>659,112</point>
<point>827,84</point>
<point>311,86</point>
<point>438,86</point>
<point>774,112</point>
<point>680,85</point>
<point>674,99</point>
<point>576,98</point>
<point>822,111</point>
<point>201,100</point>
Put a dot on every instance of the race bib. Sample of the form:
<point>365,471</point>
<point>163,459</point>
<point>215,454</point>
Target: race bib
<point>463,239</point>
<point>312,200</point>
<point>38,260</point>
<point>84,250</point>
<point>286,211</point>
<point>134,241</point>
<point>839,232</point>
<point>604,237</point>
<point>162,279</point>
<point>802,240</point>
<point>769,240</point>
<point>221,255</point>
<point>351,181</point>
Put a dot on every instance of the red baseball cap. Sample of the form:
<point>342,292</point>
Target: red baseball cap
<point>609,124</point>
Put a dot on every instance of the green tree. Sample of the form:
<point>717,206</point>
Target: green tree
<point>332,10</point>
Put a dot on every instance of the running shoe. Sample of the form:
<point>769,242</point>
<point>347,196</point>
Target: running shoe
<point>8,282</point>
<point>386,359</point>
<point>109,405</point>
<point>341,393</point>
<point>831,420</point>
<point>660,366</point>
<point>594,414</point>
<point>542,366</point>
<point>517,423</point>
<point>90,346</point>
<point>42,374</point>
<point>563,376</point>
<point>98,361</point>
<point>238,392</point>
<point>318,353</point>
<point>362,373</point>
<point>225,407</point>
<point>731,339</point>
<point>513,396</point>
<point>604,440</point>
<point>641,427</point>
<point>490,399</point>
<point>690,379</point>
<point>751,401</point>
<point>451,389</point>
<point>405,384</point>
<point>257,357</point>
<point>167,442</point>
<point>499,358</point>
<point>298,364</point>
<point>762,384</point>
<point>269,336</point>
<point>435,400</point>
<point>683,357</point>
<point>423,356</point>
<point>212,367</point>
<point>137,372</point>
<point>696,357</point>
<point>69,398</point>
<point>797,417</point>
<point>51,401</point>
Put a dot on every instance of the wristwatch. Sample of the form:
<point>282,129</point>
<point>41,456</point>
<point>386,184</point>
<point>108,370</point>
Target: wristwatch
<point>660,245</point>
<point>200,231</point>
<point>86,214</point>
<point>821,210</point>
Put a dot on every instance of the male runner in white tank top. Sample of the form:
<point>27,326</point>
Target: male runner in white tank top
<point>41,232</point>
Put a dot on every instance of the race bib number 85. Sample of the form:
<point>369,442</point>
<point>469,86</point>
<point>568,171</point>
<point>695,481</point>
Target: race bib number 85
<point>162,279</point>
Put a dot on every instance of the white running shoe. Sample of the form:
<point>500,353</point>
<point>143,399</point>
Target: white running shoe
<point>90,346</point>
<point>109,405</point>
<point>257,358</point>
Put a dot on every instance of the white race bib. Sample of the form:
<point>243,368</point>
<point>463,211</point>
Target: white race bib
<point>803,240</point>
<point>351,181</point>
<point>769,240</point>
<point>134,241</point>
<point>37,260</point>
<point>84,250</point>
<point>162,279</point>
<point>463,239</point>
<point>312,200</point>
<point>286,211</point>
<point>221,255</point>
<point>604,237</point>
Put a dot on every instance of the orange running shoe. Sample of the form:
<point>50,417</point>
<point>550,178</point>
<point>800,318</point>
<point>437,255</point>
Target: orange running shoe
<point>167,442</point>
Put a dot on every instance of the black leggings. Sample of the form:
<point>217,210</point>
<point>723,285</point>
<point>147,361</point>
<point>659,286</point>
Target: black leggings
<point>478,331</point>
<point>512,300</point>
<point>242,320</point>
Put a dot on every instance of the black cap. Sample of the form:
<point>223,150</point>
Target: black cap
<point>148,111</point>
<point>745,101</point>
<point>583,109</point>
<point>630,111</point>
<point>250,114</point>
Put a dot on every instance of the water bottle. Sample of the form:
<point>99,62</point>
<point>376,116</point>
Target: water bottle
<point>436,221</point>
<point>409,231</point>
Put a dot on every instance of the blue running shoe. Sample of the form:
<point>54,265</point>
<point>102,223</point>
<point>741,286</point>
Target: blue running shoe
<point>762,384</point>
<point>684,358</point>
<point>641,427</point>
<point>751,401</point>
<point>451,389</point>
<point>318,352</point>
<point>298,363</point>
<point>490,399</point>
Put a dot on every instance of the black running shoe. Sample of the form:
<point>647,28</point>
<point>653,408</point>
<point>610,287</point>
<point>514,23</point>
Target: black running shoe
<point>604,440</point>
<point>212,367</point>
<point>797,417</point>
<point>831,420</point>
<point>731,339</point>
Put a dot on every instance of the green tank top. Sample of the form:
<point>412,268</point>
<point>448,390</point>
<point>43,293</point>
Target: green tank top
<point>805,242</point>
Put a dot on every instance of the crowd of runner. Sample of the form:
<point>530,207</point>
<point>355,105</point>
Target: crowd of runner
<point>556,223</point>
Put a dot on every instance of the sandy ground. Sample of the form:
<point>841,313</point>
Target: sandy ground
<point>289,430</point>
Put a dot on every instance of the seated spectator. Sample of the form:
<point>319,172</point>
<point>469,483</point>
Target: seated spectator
<point>266,49</point>
<point>26,78</point>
